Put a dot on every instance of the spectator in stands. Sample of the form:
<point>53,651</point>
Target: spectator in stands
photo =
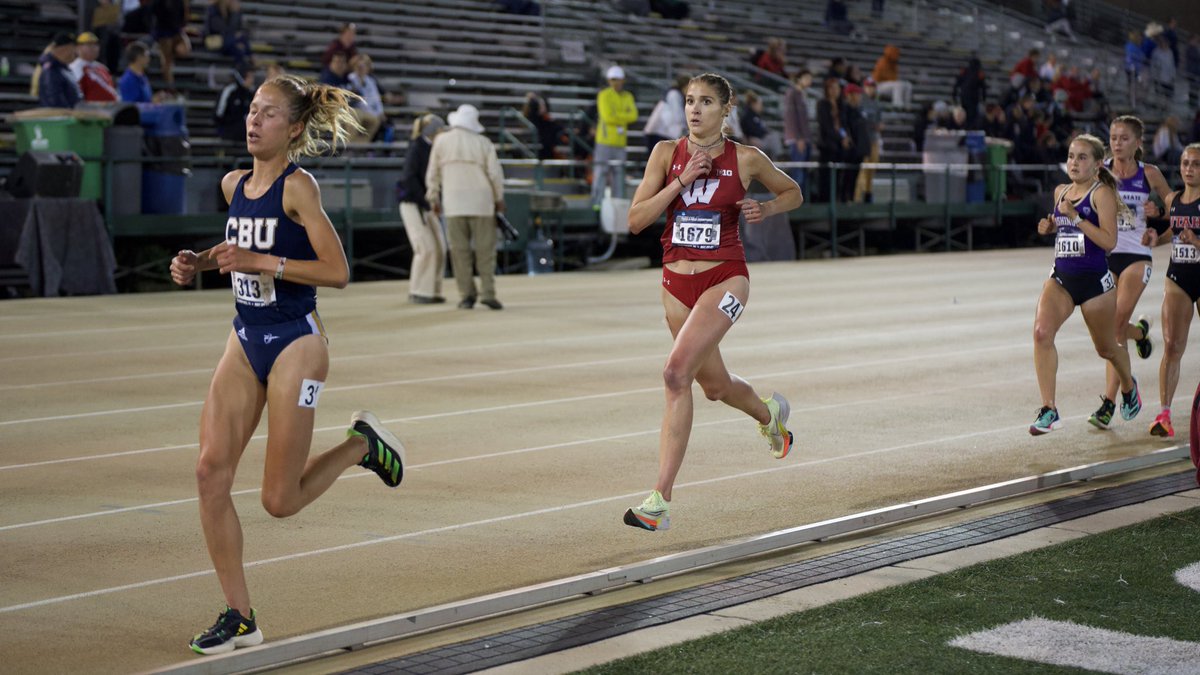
<point>1193,72</point>
<point>887,78</point>
<point>732,127</point>
<point>1018,87</point>
<point>465,182</point>
<point>872,115</point>
<point>1058,18</point>
<point>106,24</point>
<point>1150,39</point>
<point>233,105</point>
<point>420,223</point>
<point>136,17</point>
<point>854,75</point>
<point>342,44</point>
<point>56,86</point>
<point>224,31</point>
<point>170,32</point>
<point>835,141</point>
<point>797,135</point>
<point>856,130</point>
<point>1040,92</point>
<point>93,77</point>
<point>774,58</point>
<point>755,129</point>
<point>1048,71</point>
<point>362,82</point>
<point>837,70</point>
<point>617,111</point>
<point>970,88</point>
<point>536,109</point>
<point>1167,146</point>
<point>1162,72</point>
<point>135,85</point>
<point>1059,119</point>
<point>923,121</point>
<point>1028,65</point>
<point>995,122</point>
<point>667,121</point>
<point>1172,37</point>
<point>1076,87</point>
<point>1023,132</point>
<point>336,74</point>
<point>837,17</point>
<point>1135,63</point>
<point>521,7</point>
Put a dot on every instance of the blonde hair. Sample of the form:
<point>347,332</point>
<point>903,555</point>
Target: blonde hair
<point>321,110</point>
<point>1102,173</point>
<point>422,122</point>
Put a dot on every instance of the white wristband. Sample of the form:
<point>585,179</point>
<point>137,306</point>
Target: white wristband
<point>279,268</point>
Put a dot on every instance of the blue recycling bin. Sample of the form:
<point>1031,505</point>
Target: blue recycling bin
<point>976,145</point>
<point>166,142</point>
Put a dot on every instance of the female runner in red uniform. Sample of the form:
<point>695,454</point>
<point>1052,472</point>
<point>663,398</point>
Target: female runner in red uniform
<point>700,181</point>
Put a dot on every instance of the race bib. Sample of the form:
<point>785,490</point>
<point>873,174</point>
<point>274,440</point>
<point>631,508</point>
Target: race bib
<point>255,290</point>
<point>697,229</point>
<point>1184,253</point>
<point>1068,245</point>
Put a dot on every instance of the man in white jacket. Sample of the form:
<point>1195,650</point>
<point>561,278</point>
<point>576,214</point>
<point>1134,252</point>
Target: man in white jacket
<point>464,181</point>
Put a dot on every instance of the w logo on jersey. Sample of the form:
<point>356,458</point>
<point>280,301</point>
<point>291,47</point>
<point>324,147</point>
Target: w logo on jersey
<point>700,191</point>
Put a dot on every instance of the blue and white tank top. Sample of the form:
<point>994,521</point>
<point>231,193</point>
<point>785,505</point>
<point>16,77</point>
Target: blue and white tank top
<point>1184,217</point>
<point>261,225</point>
<point>1135,192</point>
<point>1074,253</point>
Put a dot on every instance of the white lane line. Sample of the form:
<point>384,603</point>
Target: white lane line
<point>445,378</point>
<point>538,448</point>
<point>523,405</point>
<point>491,521</point>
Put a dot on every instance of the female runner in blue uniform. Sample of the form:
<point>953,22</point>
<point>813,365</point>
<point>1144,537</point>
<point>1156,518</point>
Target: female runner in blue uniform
<point>279,246</point>
<point>1085,224</point>
<point>1129,260</point>
<point>1182,293</point>
<point>700,181</point>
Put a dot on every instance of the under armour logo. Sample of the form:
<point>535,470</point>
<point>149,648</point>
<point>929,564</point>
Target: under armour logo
<point>269,338</point>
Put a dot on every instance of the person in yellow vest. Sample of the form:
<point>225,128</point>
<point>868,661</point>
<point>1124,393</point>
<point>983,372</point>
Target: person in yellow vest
<point>616,111</point>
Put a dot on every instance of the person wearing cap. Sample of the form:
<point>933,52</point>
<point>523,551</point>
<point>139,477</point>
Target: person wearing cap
<point>464,181</point>
<point>617,110</point>
<point>420,224</point>
<point>56,85</point>
<point>93,77</point>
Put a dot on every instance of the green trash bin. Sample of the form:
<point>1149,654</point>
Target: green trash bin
<point>83,136</point>
<point>997,177</point>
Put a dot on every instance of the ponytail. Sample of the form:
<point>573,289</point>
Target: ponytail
<point>1102,173</point>
<point>326,114</point>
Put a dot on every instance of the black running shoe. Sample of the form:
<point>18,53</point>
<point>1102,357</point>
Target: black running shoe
<point>231,630</point>
<point>1144,346</point>
<point>385,452</point>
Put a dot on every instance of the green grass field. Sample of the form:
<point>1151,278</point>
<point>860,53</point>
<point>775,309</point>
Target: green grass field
<point>1121,580</point>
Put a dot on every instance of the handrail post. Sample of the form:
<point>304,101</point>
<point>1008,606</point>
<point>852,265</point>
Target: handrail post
<point>946,207</point>
<point>833,197</point>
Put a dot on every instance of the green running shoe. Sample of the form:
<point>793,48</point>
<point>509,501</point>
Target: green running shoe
<point>385,452</point>
<point>1102,418</point>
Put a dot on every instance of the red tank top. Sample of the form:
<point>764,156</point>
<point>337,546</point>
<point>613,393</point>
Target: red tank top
<point>702,222</point>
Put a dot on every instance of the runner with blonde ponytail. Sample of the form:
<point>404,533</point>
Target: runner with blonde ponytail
<point>279,247</point>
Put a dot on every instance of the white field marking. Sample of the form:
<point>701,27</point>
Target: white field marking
<point>511,406</point>
<point>390,383</point>
<point>1064,643</point>
<point>489,521</point>
<point>1189,576</point>
<point>906,312</point>
<point>565,444</point>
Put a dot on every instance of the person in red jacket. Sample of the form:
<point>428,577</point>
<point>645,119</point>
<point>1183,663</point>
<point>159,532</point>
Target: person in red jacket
<point>93,77</point>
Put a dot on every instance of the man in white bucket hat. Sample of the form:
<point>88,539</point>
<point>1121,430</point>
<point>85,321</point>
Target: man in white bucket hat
<point>616,110</point>
<point>464,181</point>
